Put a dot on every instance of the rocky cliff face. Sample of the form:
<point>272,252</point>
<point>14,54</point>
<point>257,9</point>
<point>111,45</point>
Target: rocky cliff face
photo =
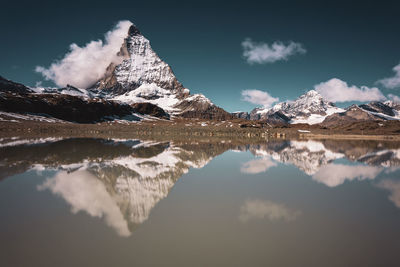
<point>140,65</point>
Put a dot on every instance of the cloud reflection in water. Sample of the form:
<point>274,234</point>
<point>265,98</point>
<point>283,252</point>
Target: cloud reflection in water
<point>254,209</point>
<point>84,192</point>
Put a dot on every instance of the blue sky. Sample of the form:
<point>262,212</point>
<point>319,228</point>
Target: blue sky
<point>357,43</point>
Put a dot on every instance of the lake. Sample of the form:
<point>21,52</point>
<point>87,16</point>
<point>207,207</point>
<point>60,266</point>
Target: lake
<point>117,202</point>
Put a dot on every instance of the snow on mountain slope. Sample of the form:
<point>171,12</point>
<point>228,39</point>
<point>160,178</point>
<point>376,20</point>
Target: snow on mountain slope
<point>69,90</point>
<point>309,108</point>
<point>386,110</point>
<point>316,118</point>
<point>151,93</point>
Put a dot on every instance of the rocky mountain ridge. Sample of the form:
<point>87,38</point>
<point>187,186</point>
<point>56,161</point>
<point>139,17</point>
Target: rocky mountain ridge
<point>312,108</point>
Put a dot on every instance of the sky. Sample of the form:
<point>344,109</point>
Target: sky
<point>239,54</point>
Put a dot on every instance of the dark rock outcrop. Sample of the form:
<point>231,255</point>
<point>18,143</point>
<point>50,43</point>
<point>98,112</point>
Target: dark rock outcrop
<point>198,106</point>
<point>13,87</point>
<point>277,118</point>
<point>64,107</point>
<point>150,109</point>
<point>394,105</point>
<point>241,115</point>
<point>209,113</point>
<point>378,107</point>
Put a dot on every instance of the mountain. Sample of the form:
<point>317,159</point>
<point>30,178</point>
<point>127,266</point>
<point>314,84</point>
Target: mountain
<point>312,108</point>
<point>140,66</point>
<point>309,108</point>
<point>141,84</point>
<point>143,77</point>
<point>374,111</point>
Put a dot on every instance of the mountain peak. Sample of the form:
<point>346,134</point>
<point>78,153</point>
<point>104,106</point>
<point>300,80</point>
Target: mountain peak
<point>312,93</point>
<point>140,66</point>
<point>133,30</point>
<point>310,108</point>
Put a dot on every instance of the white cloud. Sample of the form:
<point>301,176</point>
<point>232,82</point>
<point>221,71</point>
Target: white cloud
<point>259,97</point>
<point>394,98</point>
<point>264,53</point>
<point>83,66</point>
<point>259,209</point>
<point>336,174</point>
<point>257,165</point>
<point>84,192</point>
<point>336,90</point>
<point>392,82</point>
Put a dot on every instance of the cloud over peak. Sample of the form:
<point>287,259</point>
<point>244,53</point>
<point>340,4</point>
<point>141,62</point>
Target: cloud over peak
<point>83,66</point>
<point>392,82</point>
<point>259,97</point>
<point>336,90</point>
<point>262,53</point>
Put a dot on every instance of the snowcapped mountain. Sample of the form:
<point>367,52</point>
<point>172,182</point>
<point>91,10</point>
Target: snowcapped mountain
<point>374,111</point>
<point>143,77</point>
<point>140,66</point>
<point>140,78</point>
<point>309,108</point>
<point>312,108</point>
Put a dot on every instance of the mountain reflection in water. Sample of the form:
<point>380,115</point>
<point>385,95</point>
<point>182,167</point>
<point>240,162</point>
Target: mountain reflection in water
<point>121,181</point>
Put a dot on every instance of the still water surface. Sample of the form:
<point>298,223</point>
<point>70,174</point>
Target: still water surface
<point>98,202</point>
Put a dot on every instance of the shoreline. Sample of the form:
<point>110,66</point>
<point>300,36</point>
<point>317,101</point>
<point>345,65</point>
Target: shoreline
<point>178,130</point>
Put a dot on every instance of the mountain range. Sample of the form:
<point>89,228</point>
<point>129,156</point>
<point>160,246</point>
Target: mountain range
<point>143,86</point>
<point>312,108</point>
